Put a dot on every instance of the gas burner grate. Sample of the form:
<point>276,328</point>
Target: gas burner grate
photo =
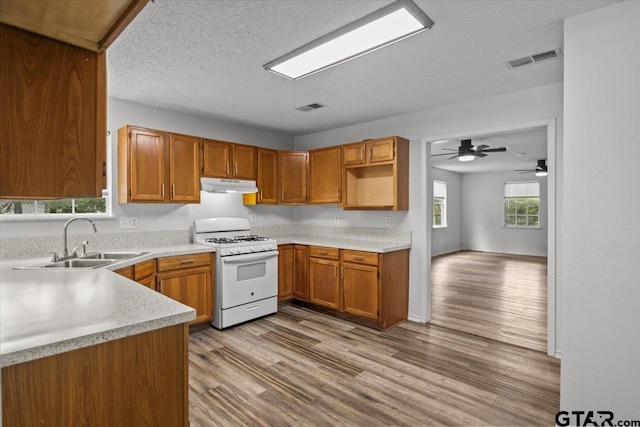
<point>221,240</point>
<point>250,238</point>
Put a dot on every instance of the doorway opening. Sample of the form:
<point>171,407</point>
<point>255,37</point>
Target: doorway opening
<point>486,276</point>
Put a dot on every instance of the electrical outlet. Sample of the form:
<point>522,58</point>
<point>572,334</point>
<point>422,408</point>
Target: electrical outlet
<point>387,221</point>
<point>253,218</point>
<point>128,222</point>
<point>336,219</point>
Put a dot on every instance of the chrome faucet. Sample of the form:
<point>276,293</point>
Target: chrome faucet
<point>65,251</point>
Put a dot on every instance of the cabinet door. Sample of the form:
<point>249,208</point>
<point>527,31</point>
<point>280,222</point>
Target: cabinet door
<point>293,170</point>
<point>353,154</point>
<point>192,287</point>
<point>382,150</point>
<point>301,272</point>
<point>184,168</point>
<point>285,272</point>
<point>324,283</point>
<point>325,173</point>
<point>360,289</point>
<point>267,176</point>
<point>53,116</point>
<point>244,161</point>
<point>146,164</point>
<point>216,158</point>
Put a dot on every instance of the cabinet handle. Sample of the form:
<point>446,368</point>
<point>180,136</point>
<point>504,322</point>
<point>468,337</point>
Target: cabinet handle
<point>370,153</point>
<point>236,168</point>
<point>335,268</point>
<point>162,191</point>
<point>323,252</point>
<point>187,261</point>
<point>173,191</point>
<point>343,271</point>
<point>260,195</point>
<point>358,258</point>
<point>362,154</point>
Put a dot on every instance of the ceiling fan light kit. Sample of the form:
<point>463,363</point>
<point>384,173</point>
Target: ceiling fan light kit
<point>383,27</point>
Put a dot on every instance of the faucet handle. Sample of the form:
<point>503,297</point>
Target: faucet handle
<point>54,257</point>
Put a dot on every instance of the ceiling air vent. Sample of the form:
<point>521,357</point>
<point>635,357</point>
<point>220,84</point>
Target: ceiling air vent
<point>532,59</point>
<point>310,107</point>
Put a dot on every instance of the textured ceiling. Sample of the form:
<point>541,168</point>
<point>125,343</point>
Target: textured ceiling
<point>205,57</point>
<point>524,149</point>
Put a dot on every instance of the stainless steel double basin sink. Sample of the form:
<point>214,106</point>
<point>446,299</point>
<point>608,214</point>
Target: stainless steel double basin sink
<point>91,261</point>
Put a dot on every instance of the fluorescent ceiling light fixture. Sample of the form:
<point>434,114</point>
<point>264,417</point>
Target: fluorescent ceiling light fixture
<point>386,26</point>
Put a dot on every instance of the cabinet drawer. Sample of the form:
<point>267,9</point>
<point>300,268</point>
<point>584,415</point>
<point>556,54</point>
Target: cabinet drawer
<point>324,252</point>
<point>360,257</point>
<point>184,261</point>
<point>144,269</point>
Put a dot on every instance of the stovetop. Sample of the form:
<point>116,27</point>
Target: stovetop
<point>235,239</point>
<point>232,236</point>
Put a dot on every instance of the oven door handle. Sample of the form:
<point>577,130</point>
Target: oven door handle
<point>236,259</point>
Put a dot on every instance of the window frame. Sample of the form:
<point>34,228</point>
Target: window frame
<point>443,206</point>
<point>523,200</point>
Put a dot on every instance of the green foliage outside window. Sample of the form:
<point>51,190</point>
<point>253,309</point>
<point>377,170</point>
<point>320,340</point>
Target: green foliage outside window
<point>522,212</point>
<point>437,211</point>
<point>64,206</point>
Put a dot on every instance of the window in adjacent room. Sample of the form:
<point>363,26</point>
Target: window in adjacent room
<point>522,204</point>
<point>439,204</point>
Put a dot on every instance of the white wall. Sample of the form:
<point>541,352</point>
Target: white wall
<point>601,279</point>
<point>528,105</point>
<point>483,216</point>
<point>448,239</point>
<point>152,217</point>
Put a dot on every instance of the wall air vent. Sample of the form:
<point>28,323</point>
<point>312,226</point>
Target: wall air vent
<point>537,57</point>
<point>310,107</point>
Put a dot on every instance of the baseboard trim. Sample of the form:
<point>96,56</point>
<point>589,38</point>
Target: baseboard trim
<point>413,318</point>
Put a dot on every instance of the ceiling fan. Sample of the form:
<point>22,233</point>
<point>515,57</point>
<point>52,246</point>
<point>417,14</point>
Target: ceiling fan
<point>540,169</point>
<point>468,152</point>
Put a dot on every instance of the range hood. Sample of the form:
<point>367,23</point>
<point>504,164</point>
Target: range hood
<point>223,185</point>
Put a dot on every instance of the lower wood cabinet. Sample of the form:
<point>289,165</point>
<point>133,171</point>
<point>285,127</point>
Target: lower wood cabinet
<point>301,272</point>
<point>185,278</point>
<point>285,272</point>
<point>140,380</point>
<point>188,279</point>
<point>364,287</point>
<point>324,277</point>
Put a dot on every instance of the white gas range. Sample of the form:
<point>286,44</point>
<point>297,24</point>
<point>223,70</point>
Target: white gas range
<point>246,270</point>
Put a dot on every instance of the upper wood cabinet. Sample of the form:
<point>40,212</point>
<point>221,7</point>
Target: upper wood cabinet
<point>293,171</point>
<point>376,174</point>
<point>92,25</point>
<point>221,159</point>
<point>155,166</point>
<point>267,176</point>
<point>325,175</point>
<point>53,109</point>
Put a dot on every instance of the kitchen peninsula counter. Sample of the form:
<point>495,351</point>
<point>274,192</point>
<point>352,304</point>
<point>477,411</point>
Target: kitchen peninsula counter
<point>46,312</point>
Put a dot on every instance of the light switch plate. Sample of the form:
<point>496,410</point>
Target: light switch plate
<point>253,218</point>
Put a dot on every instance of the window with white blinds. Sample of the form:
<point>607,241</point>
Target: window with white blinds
<point>439,204</point>
<point>522,204</point>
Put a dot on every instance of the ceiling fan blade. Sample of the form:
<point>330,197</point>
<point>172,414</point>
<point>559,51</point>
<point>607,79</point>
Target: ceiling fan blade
<point>450,149</point>
<point>481,147</point>
<point>452,157</point>
<point>494,150</point>
<point>524,170</point>
<point>443,154</point>
<point>480,154</point>
<point>522,173</point>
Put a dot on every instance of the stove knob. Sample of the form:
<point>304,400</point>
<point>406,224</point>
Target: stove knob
<point>252,249</point>
<point>265,247</point>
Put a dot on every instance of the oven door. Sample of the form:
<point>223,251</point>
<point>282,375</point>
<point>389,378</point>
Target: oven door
<point>247,278</point>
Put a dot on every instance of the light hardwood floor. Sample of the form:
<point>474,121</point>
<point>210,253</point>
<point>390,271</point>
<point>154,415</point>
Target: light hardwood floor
<point>299,367</point>
<point>497,296</point>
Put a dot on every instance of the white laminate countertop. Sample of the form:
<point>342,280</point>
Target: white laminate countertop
<point>352,244</point>
<point>47,312</point>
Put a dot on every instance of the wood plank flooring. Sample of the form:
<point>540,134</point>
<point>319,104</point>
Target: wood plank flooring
<point>497,296</point>
<point>302,368</point>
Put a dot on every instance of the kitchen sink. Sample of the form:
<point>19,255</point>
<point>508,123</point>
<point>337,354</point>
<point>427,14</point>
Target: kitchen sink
<point>113,255</point>
<point>92,260</point>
